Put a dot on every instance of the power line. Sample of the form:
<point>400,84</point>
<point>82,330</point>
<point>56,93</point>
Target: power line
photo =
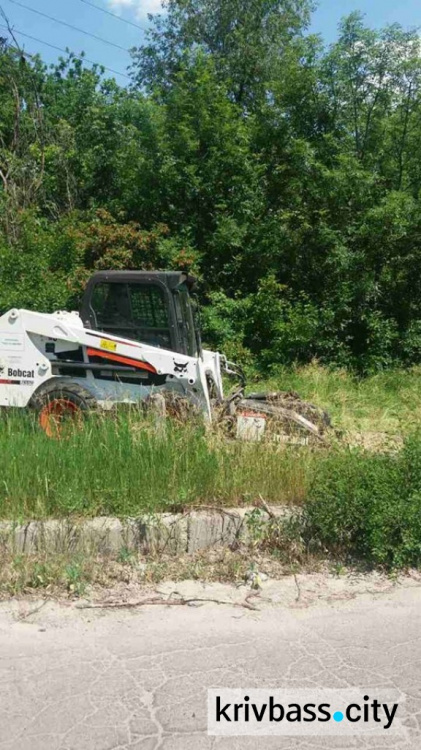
<point>18,50</point>
<point>69,25</point>
<point>66,51</point>
<point>114,15</point>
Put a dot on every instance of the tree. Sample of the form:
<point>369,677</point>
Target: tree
<point>373,83</point>
<point>286,175</point>
<point>246,40</point>
<point>22,136</point>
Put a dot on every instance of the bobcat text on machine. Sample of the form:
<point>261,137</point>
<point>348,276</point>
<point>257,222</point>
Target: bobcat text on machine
<point>135,335</point>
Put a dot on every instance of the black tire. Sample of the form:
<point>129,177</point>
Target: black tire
<point>58,399</point>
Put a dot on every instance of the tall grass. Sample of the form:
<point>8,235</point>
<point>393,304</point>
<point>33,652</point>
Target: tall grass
<point>122,465</point>
<point>387,402</point>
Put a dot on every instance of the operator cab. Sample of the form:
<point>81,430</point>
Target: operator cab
<point>153,308</point>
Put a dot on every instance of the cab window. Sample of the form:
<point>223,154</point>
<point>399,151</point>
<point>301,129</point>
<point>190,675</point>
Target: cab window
<point>136,311</point>
<point>186,322</point>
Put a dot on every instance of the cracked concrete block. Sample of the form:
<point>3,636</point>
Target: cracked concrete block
<point>164,532</point>
<point>56,536</point>
<point>153,533</point>
<point>208,529</point>
<point>235,526</point>
<point>102,535</point>
<point>204,530</point>
<point>20,538</point>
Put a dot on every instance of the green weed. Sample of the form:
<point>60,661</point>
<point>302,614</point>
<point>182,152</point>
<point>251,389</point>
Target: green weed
<point>367,507</point>
<point>120,465</point>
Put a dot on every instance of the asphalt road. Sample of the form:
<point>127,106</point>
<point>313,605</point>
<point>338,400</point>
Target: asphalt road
<point>81,679</point>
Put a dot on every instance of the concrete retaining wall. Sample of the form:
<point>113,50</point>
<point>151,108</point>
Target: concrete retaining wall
<point>163,532</point>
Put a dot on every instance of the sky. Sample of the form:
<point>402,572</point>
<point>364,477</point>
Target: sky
<point>119,36</point>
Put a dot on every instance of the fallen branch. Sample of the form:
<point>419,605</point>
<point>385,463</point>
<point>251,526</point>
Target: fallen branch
<point>25,615</point>
<point>298,597</point>
<point>263,504</point>
<point>246,604</point>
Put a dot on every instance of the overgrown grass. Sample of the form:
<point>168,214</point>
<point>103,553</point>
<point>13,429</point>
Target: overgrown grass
<point>123,466</point>
<point>387,402</point>
<point>358,504</point>
<point>361,509</point>
<point>367,507</point>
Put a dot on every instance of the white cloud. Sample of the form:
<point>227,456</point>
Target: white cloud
<point>141,8</point>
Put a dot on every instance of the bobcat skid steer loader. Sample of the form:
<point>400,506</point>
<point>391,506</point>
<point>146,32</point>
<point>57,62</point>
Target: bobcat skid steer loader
<point>136,335</point>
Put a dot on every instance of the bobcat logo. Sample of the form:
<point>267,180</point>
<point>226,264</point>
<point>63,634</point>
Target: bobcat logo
<point>1,370</point>
<point>180,367</point>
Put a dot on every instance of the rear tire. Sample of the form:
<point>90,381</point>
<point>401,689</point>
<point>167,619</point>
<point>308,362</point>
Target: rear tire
<point>60,403</point>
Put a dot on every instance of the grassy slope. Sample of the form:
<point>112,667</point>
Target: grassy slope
<point>120,467</point>
<point>123,467</point>
<point>389,402</point>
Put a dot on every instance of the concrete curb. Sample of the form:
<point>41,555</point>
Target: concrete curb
<point>161,532</point>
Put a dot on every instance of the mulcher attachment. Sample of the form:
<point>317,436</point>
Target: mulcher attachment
<point>283,417</point>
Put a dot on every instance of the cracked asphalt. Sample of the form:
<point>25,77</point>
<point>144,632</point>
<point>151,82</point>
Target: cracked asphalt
<point>98,679</point>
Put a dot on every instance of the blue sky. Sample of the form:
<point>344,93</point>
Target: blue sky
<point>378,13</point>
<point>84,16</point>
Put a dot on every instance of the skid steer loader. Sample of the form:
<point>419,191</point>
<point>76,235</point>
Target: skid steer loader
<point>136,335</point>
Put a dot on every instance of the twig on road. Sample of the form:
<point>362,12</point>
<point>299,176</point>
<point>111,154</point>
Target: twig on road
<point>25,615</point>
<point>298,597</point>
<point>246,604</point>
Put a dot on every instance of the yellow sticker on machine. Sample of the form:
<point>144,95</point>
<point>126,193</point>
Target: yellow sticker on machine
<point>110,346</point>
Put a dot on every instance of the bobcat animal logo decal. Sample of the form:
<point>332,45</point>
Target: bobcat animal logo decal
<point>180,367</point>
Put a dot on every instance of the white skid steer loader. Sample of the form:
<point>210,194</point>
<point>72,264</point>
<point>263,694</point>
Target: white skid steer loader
<point>136,335</point>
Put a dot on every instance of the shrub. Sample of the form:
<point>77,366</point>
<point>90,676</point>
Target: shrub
<point>367,507</point>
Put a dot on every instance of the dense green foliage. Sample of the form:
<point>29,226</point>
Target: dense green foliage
<point>285,174</point>
<point>368,507</point>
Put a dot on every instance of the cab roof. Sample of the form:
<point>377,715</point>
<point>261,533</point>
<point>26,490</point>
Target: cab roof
<point>171,279</point>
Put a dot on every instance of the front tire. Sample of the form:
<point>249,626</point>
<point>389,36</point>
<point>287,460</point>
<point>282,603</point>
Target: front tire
<point>61,404</point>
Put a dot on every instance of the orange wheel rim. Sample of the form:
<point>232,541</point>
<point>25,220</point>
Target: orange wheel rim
<point>55,414</point>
